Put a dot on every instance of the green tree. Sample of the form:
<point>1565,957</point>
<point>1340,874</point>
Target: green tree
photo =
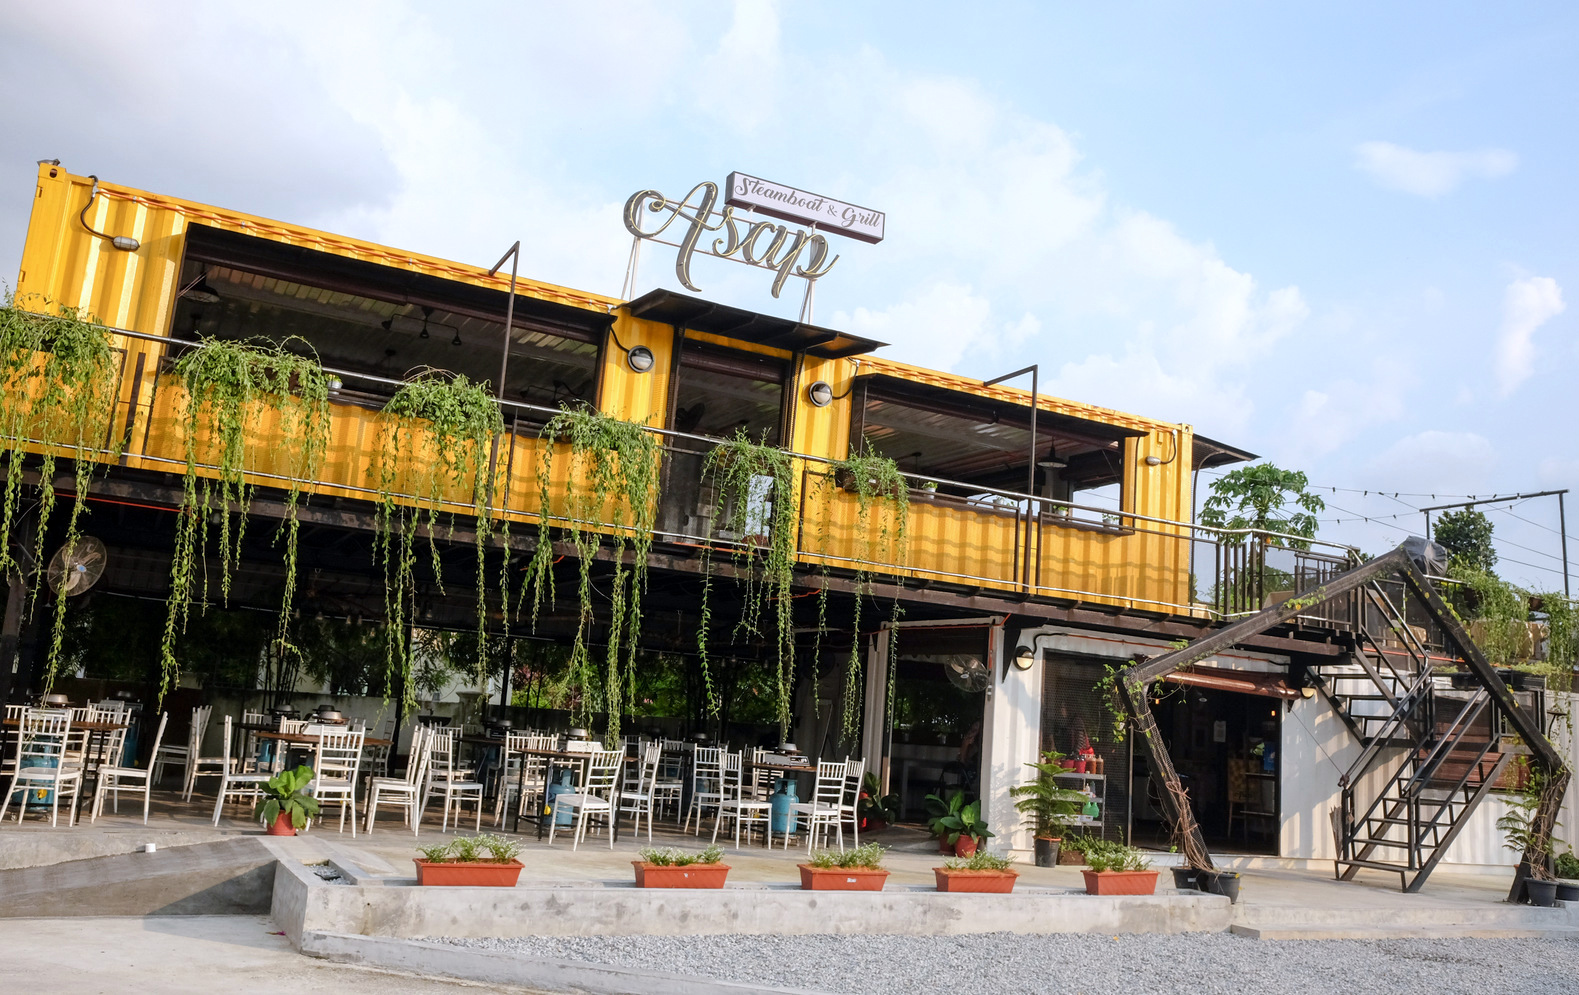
<point>1466,535</point>
<point>1264,498</point>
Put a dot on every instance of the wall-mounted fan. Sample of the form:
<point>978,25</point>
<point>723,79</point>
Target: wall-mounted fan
<point>78,571</point>
<point>967,672</point>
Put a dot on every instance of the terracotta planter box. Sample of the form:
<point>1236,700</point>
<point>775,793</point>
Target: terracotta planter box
<point>470,873</point>
<point>689,876</point>
<point>986,882</point>
<point>841,879</point>
<point>1121,882</point>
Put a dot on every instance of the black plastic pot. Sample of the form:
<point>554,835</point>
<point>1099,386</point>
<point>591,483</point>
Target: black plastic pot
<point>1542,893</point>
<point>1220,883</point>
<point>1046,852</point>
<point>1567,890</point>
<point>1185,879</point>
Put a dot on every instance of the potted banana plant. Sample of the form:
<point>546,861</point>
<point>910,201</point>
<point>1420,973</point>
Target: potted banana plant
<point>286,806</point>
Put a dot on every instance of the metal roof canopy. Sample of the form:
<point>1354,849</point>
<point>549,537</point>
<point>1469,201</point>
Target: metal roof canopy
<point>1237,681</point>
<point>1209,452</point>
<point>749,326</point>
<point>299,264</point>
<point>969,405</point>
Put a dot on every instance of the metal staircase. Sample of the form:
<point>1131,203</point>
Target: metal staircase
<point>1431,748</point>
<point>1429,736</point>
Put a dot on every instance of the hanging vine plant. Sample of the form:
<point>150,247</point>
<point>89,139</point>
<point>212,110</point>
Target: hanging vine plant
<point>871,477</point>
<point>229,388</point>
<point>438,432</point>
<point>754,507</point>
<point>59,381</point>
<point>610,484</point>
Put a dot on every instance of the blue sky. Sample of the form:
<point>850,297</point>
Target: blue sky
<point>1339,235</point>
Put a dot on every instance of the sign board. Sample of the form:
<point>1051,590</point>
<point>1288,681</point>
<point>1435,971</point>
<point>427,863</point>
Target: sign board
<point>793,204</point>
<point>762,243</point>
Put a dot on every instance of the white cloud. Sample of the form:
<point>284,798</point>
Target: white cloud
<point>1528,304</point>
<point>945,323</point>
<point>1437,461</point>
<point>1325,419</point>
<point>1429,174</point>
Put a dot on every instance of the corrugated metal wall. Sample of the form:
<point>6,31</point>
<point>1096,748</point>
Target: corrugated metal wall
<point>63,264</point>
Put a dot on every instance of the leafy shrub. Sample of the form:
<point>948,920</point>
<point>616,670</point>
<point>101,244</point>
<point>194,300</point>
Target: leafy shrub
<point>981,860</point>
<point>1567,865</point>
<point>867,856</point>
<point>671,856</point>
<point>1102,855</point>
<point>485,848</point>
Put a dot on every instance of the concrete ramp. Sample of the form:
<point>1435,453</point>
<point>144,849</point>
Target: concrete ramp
<point>234,876</point>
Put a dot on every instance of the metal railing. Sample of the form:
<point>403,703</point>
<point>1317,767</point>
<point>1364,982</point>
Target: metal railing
<point>1221,572</point>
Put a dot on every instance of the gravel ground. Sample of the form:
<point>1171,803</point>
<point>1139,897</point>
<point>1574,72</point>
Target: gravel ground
<point>1002,962</point>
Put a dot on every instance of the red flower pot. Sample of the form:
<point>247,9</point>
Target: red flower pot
<point>965,847</point>
<point>944,847</point>
<point>468,873</point>
<point>1067,764</point>
<point>841,878</point>
<point>1120,882</point>
<point>985,882</point>
<point>1080,766</point>
<point>689,876</point>
<point>281,826</point>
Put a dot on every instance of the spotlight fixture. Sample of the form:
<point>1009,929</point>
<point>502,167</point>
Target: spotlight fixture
<point>123,242</point>
<point>640,359</point>
<point>1153,460</point>
<point>457,339</point>
<point>1024,658</point>
<point>820,394</point>
<point>427,313</point>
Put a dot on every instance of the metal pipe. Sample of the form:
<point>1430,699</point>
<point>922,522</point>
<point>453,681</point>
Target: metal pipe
<point>514,255</point>
<point>1562,532</point>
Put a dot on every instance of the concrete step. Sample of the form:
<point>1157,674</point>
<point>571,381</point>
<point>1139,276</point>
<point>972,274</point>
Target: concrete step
<point>1401,932</point>
<point>1403,915</point>
<point>228,877</point>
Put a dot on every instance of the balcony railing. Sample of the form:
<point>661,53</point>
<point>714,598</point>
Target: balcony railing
<point>959,533</point>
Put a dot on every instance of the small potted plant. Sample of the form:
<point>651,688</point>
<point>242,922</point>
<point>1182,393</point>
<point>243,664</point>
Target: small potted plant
<point>856,869</point>
<point>1567,877</point>
<point>966,829</point>
<point>877,810</point>
<point>286,806</point>
<point>1073,849</point>
<point>486,861</point>
<point>1116,869</point>
<point>1521,827</point>
<point>1048,807</point>
<point>981,872</point>
<point>939,810</point>
<point>671,867</point>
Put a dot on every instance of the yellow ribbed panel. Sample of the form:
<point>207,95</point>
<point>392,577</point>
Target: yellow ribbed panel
<point>639,397</point>
<point>949,540</point>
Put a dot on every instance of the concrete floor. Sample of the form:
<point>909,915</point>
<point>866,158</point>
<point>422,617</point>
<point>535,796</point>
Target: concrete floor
<point>188,955</point>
